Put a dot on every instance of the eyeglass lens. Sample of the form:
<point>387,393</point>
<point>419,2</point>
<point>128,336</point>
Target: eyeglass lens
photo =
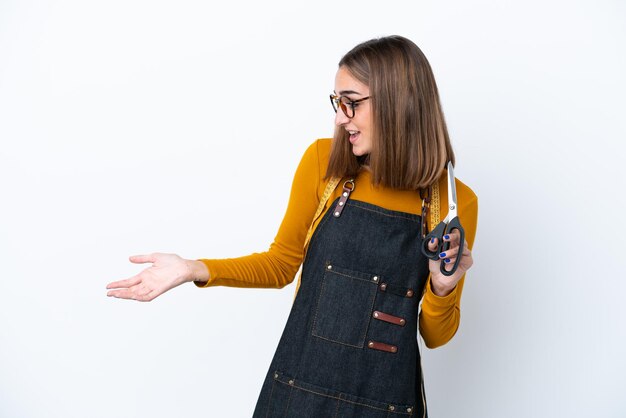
<point>338,102</point>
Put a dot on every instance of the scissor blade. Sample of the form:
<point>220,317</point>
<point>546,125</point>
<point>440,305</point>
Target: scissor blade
<point>451,189</point>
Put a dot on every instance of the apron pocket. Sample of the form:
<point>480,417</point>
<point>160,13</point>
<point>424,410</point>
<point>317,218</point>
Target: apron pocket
<point>345,305</point>
<point>294,398</point>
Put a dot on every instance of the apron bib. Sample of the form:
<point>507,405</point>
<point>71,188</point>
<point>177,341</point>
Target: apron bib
<point>349,348</point>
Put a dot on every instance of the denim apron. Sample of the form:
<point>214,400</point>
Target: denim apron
<point>349,348</point>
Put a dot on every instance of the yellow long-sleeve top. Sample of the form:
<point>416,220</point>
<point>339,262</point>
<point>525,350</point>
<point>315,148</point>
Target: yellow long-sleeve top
<point>277,267</point>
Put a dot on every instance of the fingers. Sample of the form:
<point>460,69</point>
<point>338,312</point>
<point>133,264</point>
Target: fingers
<point>450,252</point>
<point>453,237</point>
<point>432,244</point>
<point>122,294</point>
<point>131,294</point>
<point>453,245</point>
<point>449,256</point>
<point>133,281</point>
<point>139,259</point>
<point>138,292</point>
<point>141,287</point>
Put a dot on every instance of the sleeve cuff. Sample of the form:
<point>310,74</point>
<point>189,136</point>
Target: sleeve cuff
<point>211,277</point>
<point>441,302</point>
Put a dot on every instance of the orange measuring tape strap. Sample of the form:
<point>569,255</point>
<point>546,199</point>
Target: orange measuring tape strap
<point>330,188</point>
<point>434,206</point>
<point>434,215</point>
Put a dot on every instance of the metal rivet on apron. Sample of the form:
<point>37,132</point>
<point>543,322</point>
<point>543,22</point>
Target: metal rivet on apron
<point>402,321</point>
<point>383,286</point>
<point>370,344</point>
<point>375,278</point>
<point>409,410</point>
<point>329,267</point>
<point>375,314</point>
<point>340,203</point>
<point>291,382</point>
<point>345,194</point>
<point>336,213</point>
<point>275,375</point>
<point>392,408</point>
<point>409,293</point>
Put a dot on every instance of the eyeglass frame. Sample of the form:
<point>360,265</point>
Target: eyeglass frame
<point>336,100</point>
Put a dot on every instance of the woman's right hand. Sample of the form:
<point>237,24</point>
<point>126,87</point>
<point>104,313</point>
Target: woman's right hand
<point>167,272</point>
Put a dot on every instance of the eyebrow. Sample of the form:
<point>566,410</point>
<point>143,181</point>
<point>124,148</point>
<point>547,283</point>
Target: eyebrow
<point>344,92</point>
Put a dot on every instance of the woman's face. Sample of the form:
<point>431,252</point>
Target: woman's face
<point>359,126</point>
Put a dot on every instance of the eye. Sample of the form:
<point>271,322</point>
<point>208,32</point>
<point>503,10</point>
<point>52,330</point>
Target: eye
<point>347,102</point>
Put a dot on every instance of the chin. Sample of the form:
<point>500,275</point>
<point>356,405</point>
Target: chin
<point>359,152</point>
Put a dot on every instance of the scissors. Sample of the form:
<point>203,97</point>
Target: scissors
<point>445,227</point>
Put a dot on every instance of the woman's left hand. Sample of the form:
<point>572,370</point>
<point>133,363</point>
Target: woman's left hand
<point>440,284</point>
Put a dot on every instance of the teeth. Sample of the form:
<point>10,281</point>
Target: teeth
<point>352,132</point>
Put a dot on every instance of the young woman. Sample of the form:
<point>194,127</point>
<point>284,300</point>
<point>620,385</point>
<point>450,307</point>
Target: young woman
<point>354,222</point>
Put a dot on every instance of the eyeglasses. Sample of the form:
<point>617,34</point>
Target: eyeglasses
<point>347,106</point>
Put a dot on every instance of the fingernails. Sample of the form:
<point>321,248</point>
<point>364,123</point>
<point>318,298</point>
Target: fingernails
<point>446,237</point>
<point>442,255</point>
<point>447,260</point>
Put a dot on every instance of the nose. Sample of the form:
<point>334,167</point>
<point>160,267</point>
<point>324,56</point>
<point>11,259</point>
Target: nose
<point>341,118</point>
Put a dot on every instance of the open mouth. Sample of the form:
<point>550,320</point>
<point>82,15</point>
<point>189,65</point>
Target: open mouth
<point>354,136</point>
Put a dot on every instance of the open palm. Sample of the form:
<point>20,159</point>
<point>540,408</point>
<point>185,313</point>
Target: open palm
<point>167,271</point>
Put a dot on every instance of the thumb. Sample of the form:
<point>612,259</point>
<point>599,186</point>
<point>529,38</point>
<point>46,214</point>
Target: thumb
<point>139,259</point>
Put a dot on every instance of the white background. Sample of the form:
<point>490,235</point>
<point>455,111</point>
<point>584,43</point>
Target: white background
<point>134,126</point>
